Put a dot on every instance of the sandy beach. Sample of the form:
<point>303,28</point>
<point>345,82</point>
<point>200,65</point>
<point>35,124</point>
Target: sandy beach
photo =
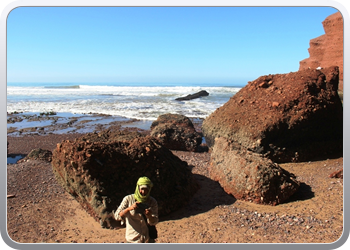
<point>39,210</point>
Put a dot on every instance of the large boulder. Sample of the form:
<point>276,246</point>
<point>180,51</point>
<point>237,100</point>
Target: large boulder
<point>248,176</point>
<point>99,169</point>
<point>286,117</point>
<point>176,132</point>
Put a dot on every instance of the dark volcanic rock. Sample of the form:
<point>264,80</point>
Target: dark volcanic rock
<point>176,132</point>
<point>193,96</point>
<point>248,176</point>
<point>286,117</point>
<point>100,169</point>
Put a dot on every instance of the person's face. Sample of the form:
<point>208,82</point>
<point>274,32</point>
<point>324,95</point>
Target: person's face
<point>144,191</point>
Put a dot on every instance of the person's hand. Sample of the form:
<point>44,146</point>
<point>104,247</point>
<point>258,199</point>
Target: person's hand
<point>134,206</point>
<point>148,212</point>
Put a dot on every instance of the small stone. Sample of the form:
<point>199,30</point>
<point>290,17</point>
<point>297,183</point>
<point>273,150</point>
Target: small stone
<point>275,104</point>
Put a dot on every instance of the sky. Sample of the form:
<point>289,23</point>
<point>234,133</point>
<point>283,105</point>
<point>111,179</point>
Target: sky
<point>221,45</point>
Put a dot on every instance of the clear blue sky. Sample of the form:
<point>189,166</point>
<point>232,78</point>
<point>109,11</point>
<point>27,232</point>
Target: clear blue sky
<point>226,45</point>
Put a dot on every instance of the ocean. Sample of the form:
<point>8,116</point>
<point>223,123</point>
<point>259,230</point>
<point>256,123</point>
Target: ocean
<point>134,101</point>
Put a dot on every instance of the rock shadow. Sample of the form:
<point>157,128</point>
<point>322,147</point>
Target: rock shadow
<point>304,192</point>
<point>209,195</point>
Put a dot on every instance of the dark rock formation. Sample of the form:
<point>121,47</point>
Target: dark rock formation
<point>193,96</point>
<point>176,132</point>
<point>286,117</point>
<point>38,154</point>
<point>248,176</point>
<point>98,170</point>
<point>327,50</point>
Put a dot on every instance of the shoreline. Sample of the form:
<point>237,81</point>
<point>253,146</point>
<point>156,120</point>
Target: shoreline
<point>29,123</point>
<point>54,127</point>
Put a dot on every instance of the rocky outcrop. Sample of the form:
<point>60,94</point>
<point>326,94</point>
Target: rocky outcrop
<point>176,132</point>
<point>284,117</point>
<point>327,50</point>
<point>98,170</point>
<point>38,154</point>
<point>193,96</point>
<point>248,176</point>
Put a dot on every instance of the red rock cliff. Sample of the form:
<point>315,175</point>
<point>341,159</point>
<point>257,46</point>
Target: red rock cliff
<point>327,50</point>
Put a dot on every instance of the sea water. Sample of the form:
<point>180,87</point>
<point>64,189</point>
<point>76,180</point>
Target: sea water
<point>135,101</point>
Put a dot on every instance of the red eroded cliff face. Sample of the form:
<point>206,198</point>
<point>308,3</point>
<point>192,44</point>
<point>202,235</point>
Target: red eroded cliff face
<point>327,50</point>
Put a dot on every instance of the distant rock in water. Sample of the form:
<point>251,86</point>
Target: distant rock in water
<point>99,169</point>
<point>193,96</point>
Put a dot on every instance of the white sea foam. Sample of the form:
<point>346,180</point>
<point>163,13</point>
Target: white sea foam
<point>140,102</point>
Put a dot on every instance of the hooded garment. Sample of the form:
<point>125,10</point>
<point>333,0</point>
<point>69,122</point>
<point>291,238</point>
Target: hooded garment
<point>143,181</point>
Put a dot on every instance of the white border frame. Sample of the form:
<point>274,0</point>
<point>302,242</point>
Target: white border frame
<point>10,5</point>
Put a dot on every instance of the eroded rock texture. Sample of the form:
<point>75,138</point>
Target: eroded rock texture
<point>100,169</point>
<point>327,50</point>
<point>248,176</point>
<point>176,132</point>
<point>285,117</point>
